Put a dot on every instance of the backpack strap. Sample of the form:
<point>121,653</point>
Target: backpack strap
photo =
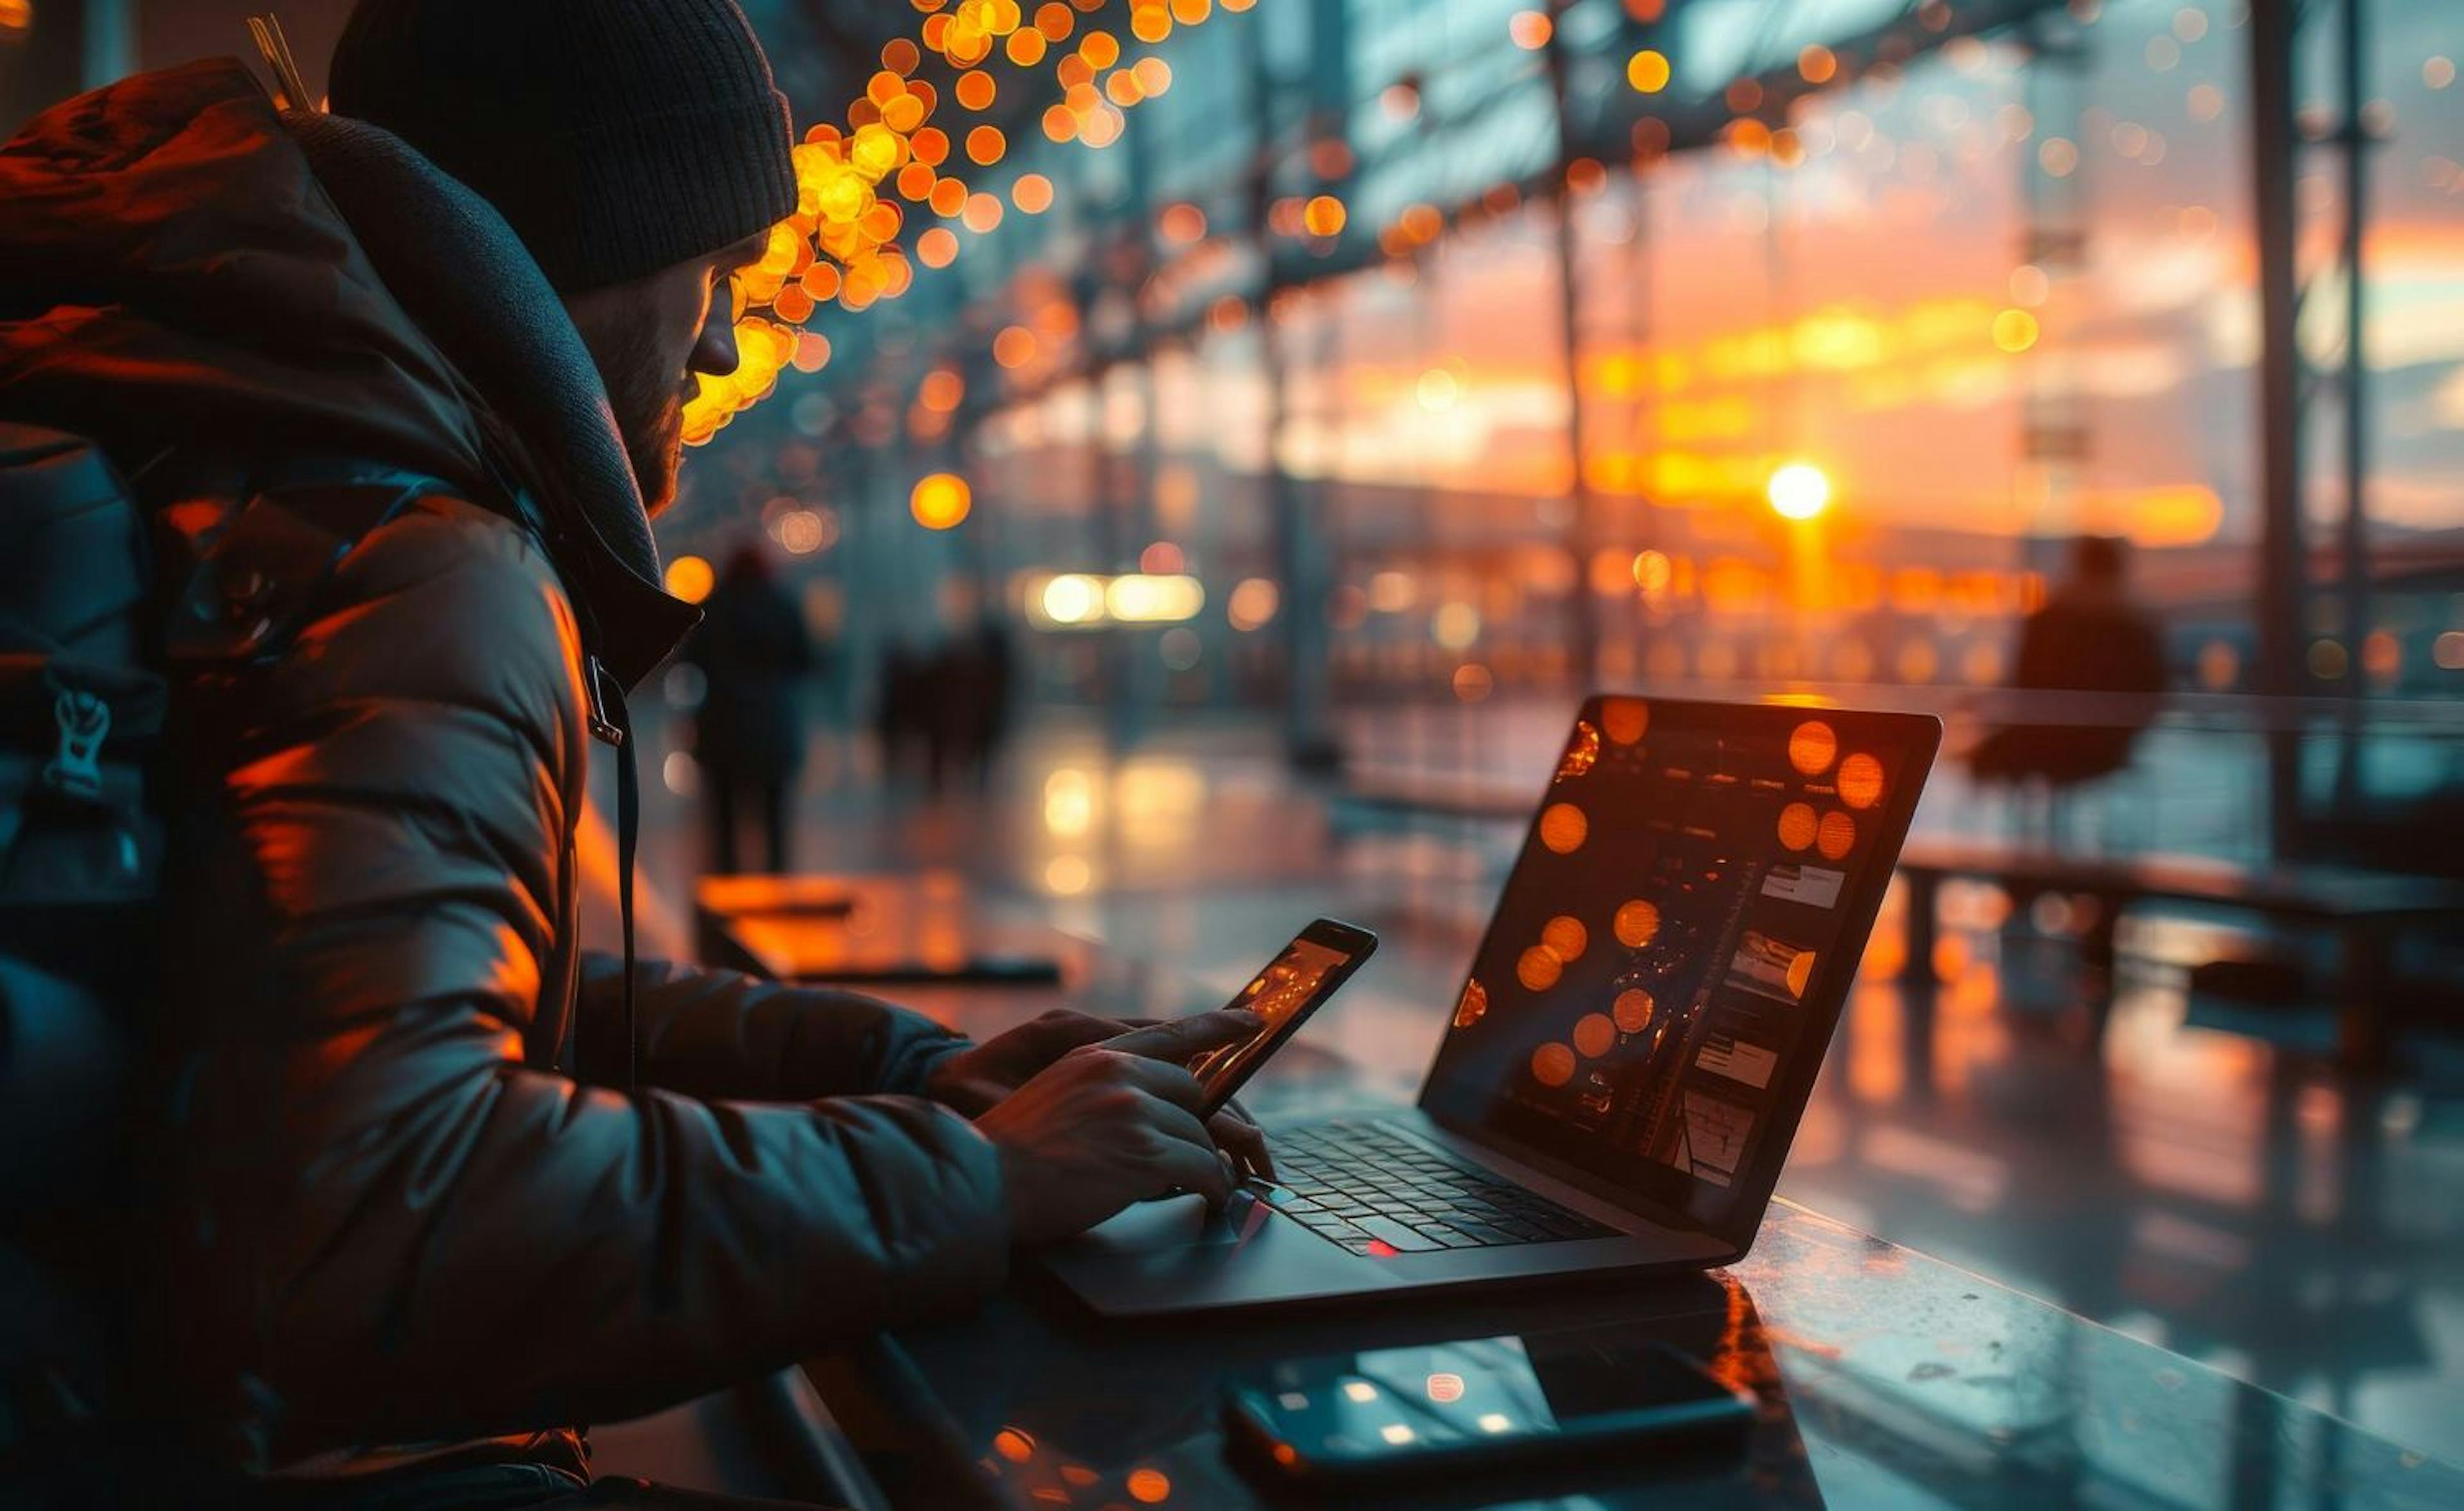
<point>250,570</point>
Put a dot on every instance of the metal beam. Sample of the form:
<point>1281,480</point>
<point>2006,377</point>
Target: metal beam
<point>2281,589</point>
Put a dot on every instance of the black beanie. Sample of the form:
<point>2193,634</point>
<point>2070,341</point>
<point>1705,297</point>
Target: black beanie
<point>618,137</point>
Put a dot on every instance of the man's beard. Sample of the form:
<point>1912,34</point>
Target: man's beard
<point>650,417</point>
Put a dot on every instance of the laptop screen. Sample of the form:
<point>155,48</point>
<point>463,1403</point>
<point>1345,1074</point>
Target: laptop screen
<point>1667,962</point>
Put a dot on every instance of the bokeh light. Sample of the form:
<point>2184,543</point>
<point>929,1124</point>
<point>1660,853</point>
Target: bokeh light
<point>940,501</point>
<point>841,247</point>
<point>1563,827</point>
<point>690,579</point>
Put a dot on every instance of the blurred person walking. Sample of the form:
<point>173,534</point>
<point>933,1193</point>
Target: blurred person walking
<point>757,659</point>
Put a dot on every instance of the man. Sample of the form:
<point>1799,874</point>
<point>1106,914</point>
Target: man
<point>429,1196</point>
<point>2090,637</point>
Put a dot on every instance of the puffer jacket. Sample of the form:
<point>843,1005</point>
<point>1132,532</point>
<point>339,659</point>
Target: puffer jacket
<point>409,1200</point>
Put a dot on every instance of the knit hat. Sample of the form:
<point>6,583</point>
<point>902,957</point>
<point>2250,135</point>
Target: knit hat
<point>618,137</point>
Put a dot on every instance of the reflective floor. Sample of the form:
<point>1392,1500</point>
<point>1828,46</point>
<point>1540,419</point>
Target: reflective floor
<point>2201,1178</point>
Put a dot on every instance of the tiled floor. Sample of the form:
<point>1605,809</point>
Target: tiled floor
<point>2206,1190</point>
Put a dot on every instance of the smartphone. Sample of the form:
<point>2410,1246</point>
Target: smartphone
<point>1350,1418</point>
<point>1312,967</point>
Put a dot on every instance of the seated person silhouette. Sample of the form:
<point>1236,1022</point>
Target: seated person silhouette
<point>2089,638</point>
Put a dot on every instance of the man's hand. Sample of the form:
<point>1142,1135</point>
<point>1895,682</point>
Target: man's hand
<point>975,1080</point>
<point>1108,1124</point>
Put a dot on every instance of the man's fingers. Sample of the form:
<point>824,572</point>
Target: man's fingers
<point>1185,1137</point>
<point>1244,1140</point>
<point>1183,1038</point>
<point>1185,1167</point>
<point>1065,1028</point>
<point>1161,1080</point>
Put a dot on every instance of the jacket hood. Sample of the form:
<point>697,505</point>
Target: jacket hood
<point>188,278</point>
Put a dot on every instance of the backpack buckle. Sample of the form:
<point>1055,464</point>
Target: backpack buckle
<point>84,721</point>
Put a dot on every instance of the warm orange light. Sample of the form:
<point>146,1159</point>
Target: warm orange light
<point>1800,973</point>
<point>1323,216</point>
<point>1632,1010</point>
<point>1014,347</point>
<point>1149,1486</point>
<point>1594,1035</point>
<point>1539,968</point>
<point>940,500</point>
<point>1798,827</point>
<point>1861,780</point>
<point>1836,837</point>
<point>1812,746</point>
<point>1032,193</point>
<point>1566,936</point>
<point>1647,70</point>
<point>974,89</point>
<point>985,144</point>
<point>1553,1065</point>
<point>1564,827</point>
<point>1637,923</point>
<point>1815,64</point>
<point>1181,224</point>
<point>2014,330</point>
<point>1623,720</point>
<point>981,212</point>
<point>941,390</point>
<point>1473,1005</point>
<point>1531,30</point>
<point>690,579</point>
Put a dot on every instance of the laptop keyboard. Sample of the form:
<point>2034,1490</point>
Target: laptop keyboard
<point>1364,1186</point>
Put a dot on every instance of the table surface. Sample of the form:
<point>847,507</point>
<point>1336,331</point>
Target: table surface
<point>1883,1377</point>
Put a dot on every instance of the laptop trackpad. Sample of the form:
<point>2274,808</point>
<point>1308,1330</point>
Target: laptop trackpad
<point>1172,1256</point>
<point>1167,1222</point>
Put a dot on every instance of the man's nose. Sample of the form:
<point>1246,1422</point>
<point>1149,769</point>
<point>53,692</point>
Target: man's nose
<point>714,352</point>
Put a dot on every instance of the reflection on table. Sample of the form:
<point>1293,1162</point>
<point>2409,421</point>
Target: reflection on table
<point>1884,1377</point>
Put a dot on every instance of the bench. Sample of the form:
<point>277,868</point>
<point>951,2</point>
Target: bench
<point>2363,910</point>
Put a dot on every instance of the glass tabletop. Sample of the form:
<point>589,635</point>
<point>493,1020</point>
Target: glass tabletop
<point>1883,1377</point>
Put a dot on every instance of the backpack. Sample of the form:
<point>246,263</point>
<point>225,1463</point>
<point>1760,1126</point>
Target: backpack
<point>82,706</point>
<point>107,604</point>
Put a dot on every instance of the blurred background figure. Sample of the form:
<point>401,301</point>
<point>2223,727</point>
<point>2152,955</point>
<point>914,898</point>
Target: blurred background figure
<point>759,658</point>
<point>2090,637</point>
<point>977,672</point>
<point>945,710</point>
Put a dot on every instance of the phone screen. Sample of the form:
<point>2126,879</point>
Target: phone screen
<point>1317,961</point>
<point>1471,1398</point>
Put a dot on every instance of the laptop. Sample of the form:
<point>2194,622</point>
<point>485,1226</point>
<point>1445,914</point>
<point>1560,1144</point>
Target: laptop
<point>1625,1065</point>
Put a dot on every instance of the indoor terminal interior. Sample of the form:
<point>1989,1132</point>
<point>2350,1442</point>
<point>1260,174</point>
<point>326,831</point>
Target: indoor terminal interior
<point>1205,460</point>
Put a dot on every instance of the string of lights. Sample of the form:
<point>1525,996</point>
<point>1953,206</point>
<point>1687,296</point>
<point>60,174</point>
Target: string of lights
<point>860,184</point>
